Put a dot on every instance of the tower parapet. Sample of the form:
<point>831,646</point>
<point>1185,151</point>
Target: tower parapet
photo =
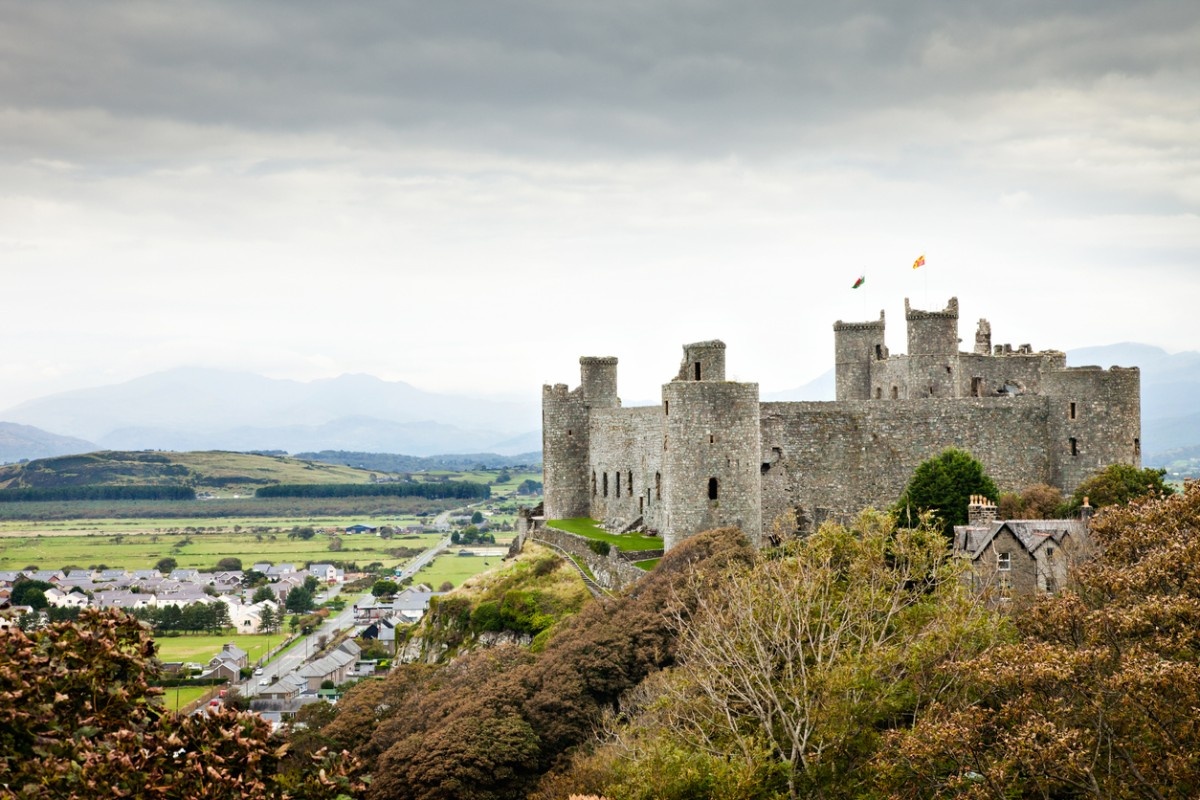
<point>598,380</point>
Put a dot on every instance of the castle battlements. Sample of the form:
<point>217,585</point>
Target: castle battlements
<point>712,454</point>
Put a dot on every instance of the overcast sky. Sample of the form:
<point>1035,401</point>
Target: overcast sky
<point>470,195</point>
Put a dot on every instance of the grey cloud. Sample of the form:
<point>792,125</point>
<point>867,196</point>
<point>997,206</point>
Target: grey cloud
<point>544,76</point>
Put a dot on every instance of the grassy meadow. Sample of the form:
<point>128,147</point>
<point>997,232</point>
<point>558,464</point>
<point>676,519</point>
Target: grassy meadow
<point>455,568</point>
<point>591,529</point>
<point>142,545</point>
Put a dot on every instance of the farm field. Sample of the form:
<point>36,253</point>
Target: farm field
<point>455,568</point>
<point>177,697</point>
<point>143,544</point>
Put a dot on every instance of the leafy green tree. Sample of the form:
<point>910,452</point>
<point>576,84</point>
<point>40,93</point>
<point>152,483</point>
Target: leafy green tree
<point>268,621</point>
<point>312,583</point>
<point>27,592</point>
<point>943,486</point>
<point>788,674</point>
<point>299,600</point>
<point>229,564</point>
<point>166,565</point>
<point>385,588</point>
<point>262,593</point>
<point>477,518</point>
<point>1118,484</point>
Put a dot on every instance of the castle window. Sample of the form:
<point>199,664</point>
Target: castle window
<point>712,488</point>
<point>641,504</point>
<point>976,387</point>
<point>711,438</point>
<point>630,484</point>
<point>1004,561</point>
<point>658,486</point>
<point>593,483</point>
<point>617,481</point>
<point>666,408</point>
<point>1137,446</point>
<point>1074,446</point>
<point>568,431</point>
<point>879,352</point>
<point>605,484</point>
<point>895,392</point>
<point>697,370</point>
<point>878,392</point>
<point>1071,412</point>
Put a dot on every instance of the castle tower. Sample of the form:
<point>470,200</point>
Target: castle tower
<point>711,450</point>
<point>703,361</point>
<point>566,439</point>
<point>1094,419</point>
<point>857,345</point>
<point>932,351</point>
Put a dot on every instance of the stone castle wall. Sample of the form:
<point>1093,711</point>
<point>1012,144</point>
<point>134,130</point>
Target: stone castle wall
<point>713,455</point>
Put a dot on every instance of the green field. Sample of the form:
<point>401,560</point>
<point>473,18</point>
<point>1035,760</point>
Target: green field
<point>201,648</point>
<point>177,697</point>
<point>455,568</point>
<point>591,529</point>
<point>140,545</point>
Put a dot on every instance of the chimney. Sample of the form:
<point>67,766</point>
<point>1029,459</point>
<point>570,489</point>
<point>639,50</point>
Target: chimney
<point>980,511</point>
<point>1085,512</point>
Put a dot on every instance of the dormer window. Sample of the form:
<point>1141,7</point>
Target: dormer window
<point>1004,561</point>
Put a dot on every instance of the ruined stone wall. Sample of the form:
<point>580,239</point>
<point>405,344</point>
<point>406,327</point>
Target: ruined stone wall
<point>711,455</point>
<point>611,571</point>
<point>984,376</point>
<point>626,460</point>
<point>837,458</point>
<point>932,351</point>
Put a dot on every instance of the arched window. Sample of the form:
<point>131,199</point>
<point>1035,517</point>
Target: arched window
<point>712,488</point>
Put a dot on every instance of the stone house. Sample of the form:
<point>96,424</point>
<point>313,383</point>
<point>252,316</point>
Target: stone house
<point>1013,559</point>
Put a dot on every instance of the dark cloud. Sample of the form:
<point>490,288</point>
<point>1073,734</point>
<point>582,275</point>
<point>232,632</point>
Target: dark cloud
<point>618,76</point>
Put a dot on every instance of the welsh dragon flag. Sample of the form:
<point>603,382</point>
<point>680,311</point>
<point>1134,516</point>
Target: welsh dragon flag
<point>861,280</point>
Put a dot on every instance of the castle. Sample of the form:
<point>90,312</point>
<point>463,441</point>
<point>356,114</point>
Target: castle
<point>712,454</point>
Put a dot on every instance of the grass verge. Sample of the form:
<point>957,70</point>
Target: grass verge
<point>589,528</point>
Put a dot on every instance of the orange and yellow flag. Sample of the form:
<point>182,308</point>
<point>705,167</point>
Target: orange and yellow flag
<point>920,262</point>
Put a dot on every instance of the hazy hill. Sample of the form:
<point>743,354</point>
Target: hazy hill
<point>207,470</point>
<point>194,408</point>
<point>25,441</point>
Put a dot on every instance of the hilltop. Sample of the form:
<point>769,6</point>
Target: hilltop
<point>209,470</point>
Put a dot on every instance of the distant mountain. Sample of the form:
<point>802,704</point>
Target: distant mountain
<point>18,442</point>
<point>822,387</point>
<point>201,409</point>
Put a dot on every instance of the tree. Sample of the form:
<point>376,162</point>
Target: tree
<point>385,588</point>
<point>1120,483</point>
<point>299,599</point>
<point>307,532</point>
<point>943,486</point>
<point>263,593</point>
<point>312,583</point>
<point>26,592</point>
<point>229,564</point>
<point>477,518</point>
<point>788,673</point>
<point>1098,697</point>
<point>81,720</point>
<point>1039,501</point>
<point>166,565</point>
<point>335,543</point>
<point>268,621</point>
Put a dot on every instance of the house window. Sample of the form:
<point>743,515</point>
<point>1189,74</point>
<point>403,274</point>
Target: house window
<point>1005,588</point>
<point>712,488</point>
<point>1004,561</point>
<point>1074,447</point>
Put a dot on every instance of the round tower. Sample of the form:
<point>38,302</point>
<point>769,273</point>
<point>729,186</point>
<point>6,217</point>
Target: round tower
<point>703,361</point>
<point>565,447</point>
<point>598,380</point>
<point>932,351</point>
<point>711,459</point>
<point>857,345</point>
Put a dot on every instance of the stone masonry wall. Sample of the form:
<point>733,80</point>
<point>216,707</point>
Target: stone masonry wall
<point>626,457</point>
<point>611,571</point>
<point>842,457</point>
